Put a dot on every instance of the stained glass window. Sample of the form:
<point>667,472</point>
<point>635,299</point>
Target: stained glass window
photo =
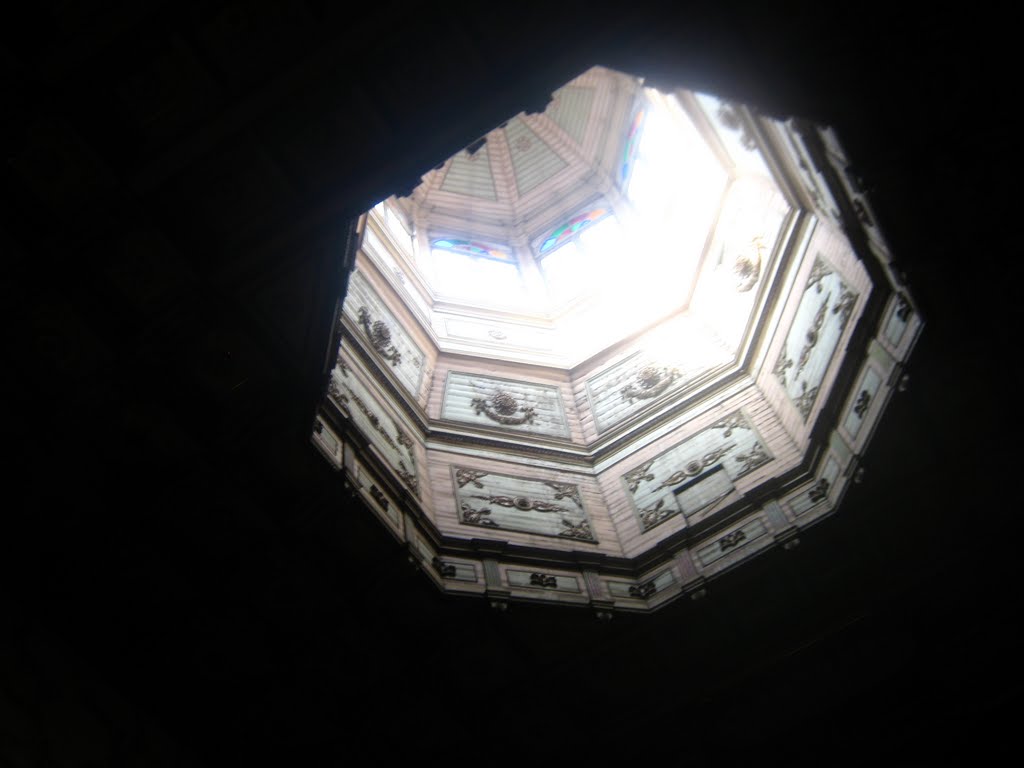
<point>578,254</point>
<point>632,143</point>
<point>567,231</point>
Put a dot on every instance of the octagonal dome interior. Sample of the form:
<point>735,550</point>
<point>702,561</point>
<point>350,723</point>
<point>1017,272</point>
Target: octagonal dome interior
<point>609,351</point>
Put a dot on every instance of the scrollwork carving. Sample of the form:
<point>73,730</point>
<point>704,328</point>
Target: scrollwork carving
<point>844,307</point>
<point>465,476</point>
<point>695,466</point>
<point>819,272</point>
<point>655,514</point>
<point>379,497</point>
<point>819,491</point>
<point>805,400</point>
<point>752,459</point>
<point>471,516</point>
<point>643,591</point>
<point>502,408</point>
<point>731,540</point>
<point>731,422</point>
<point>444,570</point>
<point>409,478</point>
<point>522,503</point>
<point>782,365</point>
<point>636,476</point>
<point>543,580</point>
<point>403,439</point>
<point>812,335</point>
<point>903,308</point>
<point>565,491</point>
<point>379,334</point>
<point>579,530</point>
<point>861,406</point>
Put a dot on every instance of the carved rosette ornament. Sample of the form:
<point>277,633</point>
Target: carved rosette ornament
<point>504,409</point>
<point>650,381</point>
<point>379,335</point>
<point>746,263</point>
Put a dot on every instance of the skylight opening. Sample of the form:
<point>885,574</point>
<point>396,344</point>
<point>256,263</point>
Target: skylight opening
<point>473,270</point>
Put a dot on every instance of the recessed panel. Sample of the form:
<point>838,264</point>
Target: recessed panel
<point>506,502</point>
<point>517,406</point>
<point>825,308</point>
<point>393,347</point>
<point>731,442</point>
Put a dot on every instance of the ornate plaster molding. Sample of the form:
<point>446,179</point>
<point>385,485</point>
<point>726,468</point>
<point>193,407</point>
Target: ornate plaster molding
<point>502,408</point>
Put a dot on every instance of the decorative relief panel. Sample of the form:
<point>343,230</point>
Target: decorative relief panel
<point>644,589</point>
<point>555,582</point>
<point>394,444</point>
<point>731,542</point>
<point>866,392</point>
<point>820,491</point>
<point>382,333</point>
<point>898,320</point>
<point>517,405</point>
<point>824,311</point>
<point>696,473</point>
<point>624,389</point>
<point>545,507</point>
